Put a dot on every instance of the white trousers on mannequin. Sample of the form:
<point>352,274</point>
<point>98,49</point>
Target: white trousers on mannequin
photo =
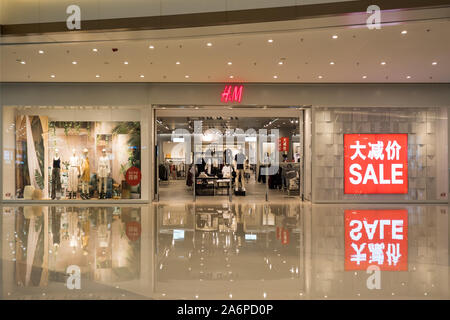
<point>84,186</point>
<point>240,173</point>
<point>102,181</point>
<point>73,179</point>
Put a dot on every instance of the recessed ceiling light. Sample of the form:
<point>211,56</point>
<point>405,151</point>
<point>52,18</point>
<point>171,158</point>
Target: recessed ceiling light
<point>22,62</point>
<point>270,40</point>
<point>332,63</point>
<point>142,76</point>
<point>230,63</point>
<point>41,51</point>
<point>209,44</point>
<point>178,62</point>
<point>275,77</point>
<point>320,77</point>
<point>280,63</point>
<point>126,62</point>
<point>408,77</point>
<point>434,63</point>
<point>95,50</point>
<point>364,77</point>
<point>74,62</point>
<point>186,76</point>
<point>97,76</point>
<point>383,63</point>
<point>52,76</point>
<point>231,77</point>
<point>335,36</point>
<point>404,32</point>
<point>151,47</point>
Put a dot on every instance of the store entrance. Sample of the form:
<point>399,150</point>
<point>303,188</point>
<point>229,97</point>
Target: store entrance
<point>245,154</point>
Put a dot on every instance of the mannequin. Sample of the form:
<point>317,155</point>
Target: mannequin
<point>103,172</point>
<point>85,175</point>
<point>56,174</point>
<point>240,172</point>
<point>74,171</point>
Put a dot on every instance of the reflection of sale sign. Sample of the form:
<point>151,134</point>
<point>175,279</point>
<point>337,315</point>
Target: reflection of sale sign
<point>376,237</point>
<point>133,176</point>
<point>133,230</point>
<point>285,236</point>
<point>375,163</point>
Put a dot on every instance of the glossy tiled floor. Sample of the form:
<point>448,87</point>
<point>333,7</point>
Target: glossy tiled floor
<point>225,251</point>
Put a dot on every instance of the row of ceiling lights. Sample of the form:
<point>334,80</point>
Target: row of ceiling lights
<point>209,44</point>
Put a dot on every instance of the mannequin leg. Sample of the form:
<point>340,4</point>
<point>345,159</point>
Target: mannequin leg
<point>53,184</point>
<point>100,193</point>
<point>105,187</point>
<point>242,174</point>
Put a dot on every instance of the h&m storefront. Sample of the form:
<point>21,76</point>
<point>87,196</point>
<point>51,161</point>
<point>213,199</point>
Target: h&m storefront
<point>138,143</point>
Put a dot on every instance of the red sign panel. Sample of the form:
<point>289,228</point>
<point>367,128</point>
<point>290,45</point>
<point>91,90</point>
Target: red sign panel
<point>376,163</point>
<point>283,144</point>
<point>285,236</point>
<point>232,94</point>
<point>133,176</point>
<point>133,230</point>
<point>376,237</point>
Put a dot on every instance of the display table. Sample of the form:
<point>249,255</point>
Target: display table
<point>208,186</point>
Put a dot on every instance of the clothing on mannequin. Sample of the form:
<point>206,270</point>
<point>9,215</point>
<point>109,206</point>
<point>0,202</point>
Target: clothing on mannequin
<point>226,171</point>
<point>240,172</point>
<point>56,174</point>
<point>103,171</point>
<point>85,175</point>
<point>74,171</point>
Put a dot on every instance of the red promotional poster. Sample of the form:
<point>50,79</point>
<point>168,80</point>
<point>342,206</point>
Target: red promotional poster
<point>376,163</point>
<point>133,230</point>
<point>376,237</point>
<point>133,176</point>
<point>283,144</point>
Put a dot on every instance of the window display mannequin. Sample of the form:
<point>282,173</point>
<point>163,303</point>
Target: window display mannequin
<point>103,171</point>
<point>240,172</point>
<point>74,171</point>
<point>85,175</point>
<point>56,175</point>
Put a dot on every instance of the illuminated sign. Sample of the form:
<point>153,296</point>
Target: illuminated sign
<point>178,234</point>
<point>376,237</point>
<point>283,144</point>
<point>232,93</point>
<point>250,237</point>
<point>376,163</point>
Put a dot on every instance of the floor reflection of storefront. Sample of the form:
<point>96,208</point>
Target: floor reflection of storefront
<point>45,242</point>
<point>253,251</point>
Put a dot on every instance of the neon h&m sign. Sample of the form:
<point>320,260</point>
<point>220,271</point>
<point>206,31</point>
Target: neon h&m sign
<point>232,93</point>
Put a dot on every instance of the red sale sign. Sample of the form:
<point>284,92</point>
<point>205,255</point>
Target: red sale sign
<point>283,144</point>
<point>376,163</point>
<point>133,176</point>
<point>376,237</point>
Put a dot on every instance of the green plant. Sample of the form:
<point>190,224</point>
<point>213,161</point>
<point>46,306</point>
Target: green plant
<point>66,128</point>
<point>39,179</point>
<point>134,130</point>
<point>66,164</point>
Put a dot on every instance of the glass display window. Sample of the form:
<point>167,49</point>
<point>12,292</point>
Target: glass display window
<point>72,153</point>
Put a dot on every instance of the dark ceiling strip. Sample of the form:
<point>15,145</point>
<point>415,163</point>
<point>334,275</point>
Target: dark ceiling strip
<point>219,18</point>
